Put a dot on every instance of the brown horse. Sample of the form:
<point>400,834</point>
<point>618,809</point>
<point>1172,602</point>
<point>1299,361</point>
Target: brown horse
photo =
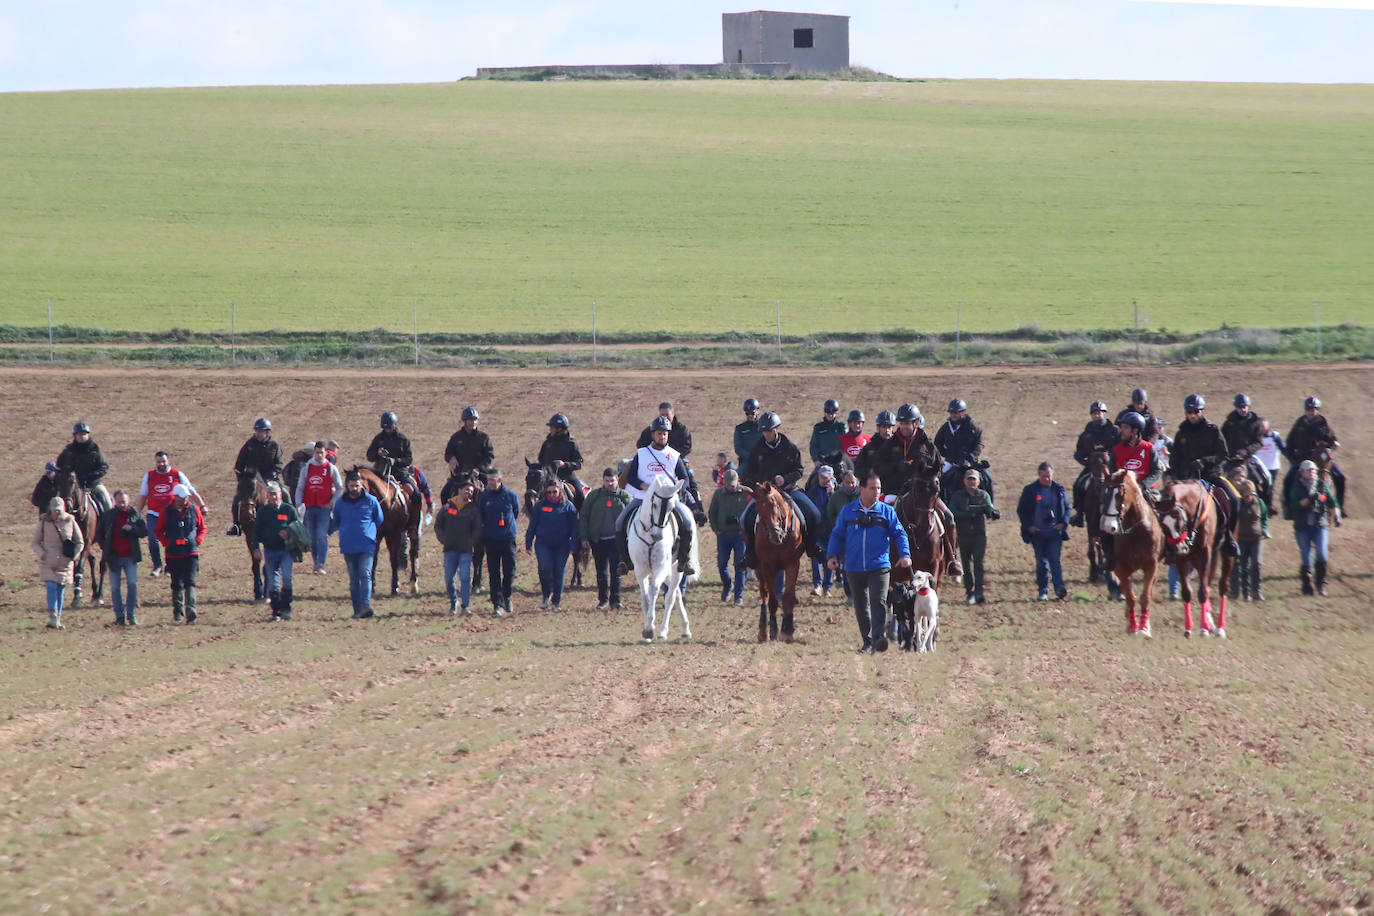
<point>778,547</point>
<point>1195,541</point>
<point>1099,544</point>
<point>1137,544</point>
<point>252,495</point>
<point>537,478</point>
<point>83,508</point>
<point>919,512</point>
<point>400,523</point>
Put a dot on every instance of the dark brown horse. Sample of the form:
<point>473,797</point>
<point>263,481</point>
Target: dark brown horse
<point>1137,543</point>
<point>400,523</point>
<point>84,509</point>
<point>537,478</point>
<point>252,496</point>
<point>919,512</point>
<point>778,547</point>
<point>1195,542</point>
<point>1099,544</point>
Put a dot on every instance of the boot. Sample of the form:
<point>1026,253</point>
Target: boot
<point>684,557</point>
<point>274,601</point>
<point>1306,574</point>
<point>286,604</point>
<point>865,627</point>
<point>55,620</point>
<point>178,606</point>
<point>749,560</point>
<point>622,546</point>
<point>233,530</point>
<point>952,547</point>
<point>1320,581</point>
<point>191,604</point>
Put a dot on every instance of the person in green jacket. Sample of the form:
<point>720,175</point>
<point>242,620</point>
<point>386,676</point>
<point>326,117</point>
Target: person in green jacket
<point>270,546</point>
<point>972,507</point>
<point>600,510</point>
<point>727,507</point>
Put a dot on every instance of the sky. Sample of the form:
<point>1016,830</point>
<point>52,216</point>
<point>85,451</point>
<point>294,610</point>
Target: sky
<point>98,44</point>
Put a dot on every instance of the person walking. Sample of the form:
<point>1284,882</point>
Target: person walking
<point>727,508</point>
<point>357,516</point>
<point>120,531</point>
<point>1251,530</point>
<point>500,510</point>
<point>1270,455</point>
<point>57,541</point>
<point>181,530</point>
<point>45,489</point>
<point>777,461</point>
<point>824,447</point>
<point>866,532</point>
<point>747,433</point>
<point>553,533</point>
<point>154,493</point>
<point>600,510</point>
<point>972,507</point>
<point>1044,513</point>
<point>820,488</point>
<point>459,529</point>
<point>1313,506</point>
<point>271,547</point>
<point>317,490</point>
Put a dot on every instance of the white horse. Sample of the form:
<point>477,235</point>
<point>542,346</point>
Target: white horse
<point>652,536</point>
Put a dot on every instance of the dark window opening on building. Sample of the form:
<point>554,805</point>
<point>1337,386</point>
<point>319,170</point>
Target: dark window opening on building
<point>803,38</point>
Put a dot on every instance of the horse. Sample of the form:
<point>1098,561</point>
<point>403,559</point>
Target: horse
<point>779,546</point>
<point>919,512</point>
<point>83,508</point>
<point>537,478</point>
<point>252,495</point>
<point>400,520</point>
<point>1100,563</point>
<point>1195,541</point>
<point>1137,544</point>
<point>652,537</point>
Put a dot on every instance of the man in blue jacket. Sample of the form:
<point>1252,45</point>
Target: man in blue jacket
<point>1044,513</point>
<point>357,516</point>
<point>865,531</point>
<point>499,507</point>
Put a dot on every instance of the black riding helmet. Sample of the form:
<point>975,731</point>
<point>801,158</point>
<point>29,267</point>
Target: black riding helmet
<point>1194,402</point>
<point>662,423</point>
<point>1096,406</point>
<point>389,419</point>
<point>1139,396</point>
<point>831,406</point>
<point>82,427</point>
<point>262,423</point>
<point>856,416</point>
<point>751,405</point>
<point>885,418</point>
<point>956,405</point>
<point>1313,402</point>
<point>1242,400</point>
<point>908,413</point>
<point>557,421</point>
<point>769,421</point>
<point>470,413</point>
<point>1132,419</point>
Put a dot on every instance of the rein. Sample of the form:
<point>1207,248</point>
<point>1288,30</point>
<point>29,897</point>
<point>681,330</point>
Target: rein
<point>1112,512</point>
<point>666,517</point>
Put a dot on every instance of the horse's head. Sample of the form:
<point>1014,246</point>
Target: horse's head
<point>1174,504</point>
<point>1120,494</point>
<point>774,512</point>
<point>1098,465</point>
<point>69,490</point>
<point>662,500</point>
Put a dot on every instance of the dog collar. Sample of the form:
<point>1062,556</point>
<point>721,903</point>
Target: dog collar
<point>924,591</point>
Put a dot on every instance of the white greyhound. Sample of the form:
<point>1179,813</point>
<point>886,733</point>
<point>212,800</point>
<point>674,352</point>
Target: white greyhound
<point>652,536</point>
<point>927,611</point>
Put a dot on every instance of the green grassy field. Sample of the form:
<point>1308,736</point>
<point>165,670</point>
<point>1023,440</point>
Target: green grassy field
<point>689,205</point>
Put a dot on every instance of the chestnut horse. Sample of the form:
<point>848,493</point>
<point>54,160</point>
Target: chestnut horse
<point>1137,544</point>
<point>400,520</point>
<point>1195,541</point>
<point>84,509</point>
<point>252,496</point>
<point>918,511</point>
<point>778,546</point>
<point>1100,563</point>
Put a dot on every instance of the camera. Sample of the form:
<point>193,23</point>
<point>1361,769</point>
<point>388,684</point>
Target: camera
<point>870,520</point>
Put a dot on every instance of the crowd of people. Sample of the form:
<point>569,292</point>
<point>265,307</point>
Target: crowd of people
<point>838,489</point>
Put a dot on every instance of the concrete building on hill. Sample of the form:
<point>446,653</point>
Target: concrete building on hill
<point>807,42</point>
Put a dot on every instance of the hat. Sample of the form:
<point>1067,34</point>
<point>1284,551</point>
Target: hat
<point>730,477</point>
<point>50,468</point>
<point>971,474</point>
<point>55,503</point>
<point>825,470</point>
<point>1307,466</point>
<point>608,472</point>
<point>181,490</point>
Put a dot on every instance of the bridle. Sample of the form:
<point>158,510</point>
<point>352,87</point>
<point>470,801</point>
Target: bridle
<point>1115,508</point>
<point>777,525</point>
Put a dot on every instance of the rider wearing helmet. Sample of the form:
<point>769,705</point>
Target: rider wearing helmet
<point>390,450</point>
<point>1199,453</point>
<point>561,453</point>
<point>853,440</point>
<point>1310,433</point>
<point>261,454</point>
<point>1243,431</point>
<point>883,455</point>
<point>1140,403</point>
<point>650,460</point>
<point>1098,436</point>
<point>960,441</point>
<point>82,457</point>
<point>1134,454</point>
<point>825,436</point>
<point>778,461</point>
<point>467,455</point>
<point>678,435</point>
<point>747,434</point>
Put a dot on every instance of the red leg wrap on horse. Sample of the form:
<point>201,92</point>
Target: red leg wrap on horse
<point>1187,615</point>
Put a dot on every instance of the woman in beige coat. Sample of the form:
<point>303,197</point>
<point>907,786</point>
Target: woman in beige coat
<point>54,566</point>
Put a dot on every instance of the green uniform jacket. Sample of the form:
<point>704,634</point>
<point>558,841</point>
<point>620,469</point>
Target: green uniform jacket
<point>747,435</point>
<point>270,523</point>
<point>825,439</point>
<point>971,510</point>
<point>594,509</point>
<point>726,509</point>
<point>838,500</point>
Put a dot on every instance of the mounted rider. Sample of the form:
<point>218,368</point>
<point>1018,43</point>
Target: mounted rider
<point>467,455</point>
<point>1200,453</point>
<point>1311,432</point>
<point>680,439</point>
<point>561,453</point>
<point>82,458</point>
<point>825,447</point>
<point>747,434</point>
<point>960,441</point>
<point>1134,454</point>
<point>1243,431</point>
<point>1140,403</point>
<point>778,461</point>
<point>1098,436</point>
<point>260,454</point>
<point>883,455</point>
<point>657,457</point>
<point>390,451</point>
<point>853,439</point>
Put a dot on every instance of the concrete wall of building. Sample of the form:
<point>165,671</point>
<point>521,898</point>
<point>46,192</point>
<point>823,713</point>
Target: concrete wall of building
<point>627,71</point>
<point>763,36</point>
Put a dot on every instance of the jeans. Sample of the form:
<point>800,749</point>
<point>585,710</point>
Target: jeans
<point>56,593</point>
<point>553,563</point>
<point>359,580</point>
<point>730,552</point>
<point>317,523</point>
<point>971,549</point>
<point>606,557</point>
<point>1248,567</point>
<point>458,577</point>
<point>154,546</point>
<point>276,569</point>
<point>500,569</point>
<point>182,571</point>
<point>1312,544</point>
<point>821,574</point>
<point>870,597</point>
<point>123,570</point>
<point>1047,546</point>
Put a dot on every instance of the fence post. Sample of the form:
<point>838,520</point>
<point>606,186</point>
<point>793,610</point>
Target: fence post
<point>958,327</point>
<point>415,325</point>
<point>1135,307</point>
<point>593,333</point>
<point>233,333</point>
<point>1317,320</point>
<point>779,329</point>
<point>51,357</point>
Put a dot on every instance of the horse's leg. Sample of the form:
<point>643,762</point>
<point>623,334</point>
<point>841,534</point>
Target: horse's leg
<point>648,594</point>
<point>1228,566</point>
<point>789,599</point>
<point>1128,592</point>
<point>765,595</point>
<point>259,593</point>
<point>1185,587</point>
<point>1147,596</point>
<point>1204,590</point>
<point>681,600</point>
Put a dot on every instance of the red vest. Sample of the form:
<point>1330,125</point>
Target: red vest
<point>1133,458</point>
<point>319,484</point>
<point>852,445</point>
<point>160,488</point>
